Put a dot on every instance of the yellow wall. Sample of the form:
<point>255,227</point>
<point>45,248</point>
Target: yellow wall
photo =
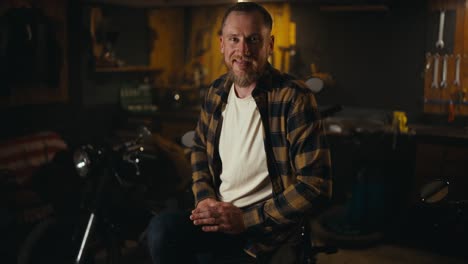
<point>205,24</point>
<point>167,41</point>
<point>281,14</point>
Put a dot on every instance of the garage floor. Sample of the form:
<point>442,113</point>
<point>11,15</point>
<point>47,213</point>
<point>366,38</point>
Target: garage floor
<point>382,252</point>
<point>386,254</point>
<point>378,254</point>
<point>407,243</point>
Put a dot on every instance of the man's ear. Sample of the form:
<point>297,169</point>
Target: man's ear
<point>221,44</point>
<point>272,43</point>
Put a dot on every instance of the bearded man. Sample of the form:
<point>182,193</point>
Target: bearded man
<point>260,160</point>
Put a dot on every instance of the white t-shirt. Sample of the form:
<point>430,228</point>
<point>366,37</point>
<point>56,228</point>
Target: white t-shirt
<point>244,179</point>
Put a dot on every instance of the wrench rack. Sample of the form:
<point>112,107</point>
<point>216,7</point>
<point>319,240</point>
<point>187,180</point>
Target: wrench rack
<point>443,87</point>
<point>446,70</point>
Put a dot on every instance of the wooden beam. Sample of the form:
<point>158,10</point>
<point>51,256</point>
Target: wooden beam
<point>158,3</point>
<point>353,8</point>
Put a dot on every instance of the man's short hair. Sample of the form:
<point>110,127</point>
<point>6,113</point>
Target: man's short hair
<point>248,7</point>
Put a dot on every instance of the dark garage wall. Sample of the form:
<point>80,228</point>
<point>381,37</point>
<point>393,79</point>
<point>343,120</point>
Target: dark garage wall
<point>376,58</point>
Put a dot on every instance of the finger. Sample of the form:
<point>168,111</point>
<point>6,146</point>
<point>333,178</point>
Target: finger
<point>205,209</point>
<point>200,209</point>
<point>200,216</point>
<point>204,215</point>
<point>210,228</point>
<point>207,202</point>
<point>224,228</point>
<point>207,221</point>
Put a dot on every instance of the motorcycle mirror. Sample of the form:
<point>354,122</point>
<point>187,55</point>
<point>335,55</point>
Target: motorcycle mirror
<point>434,191</point>
<point>187,139</point>
<point>315,84</point>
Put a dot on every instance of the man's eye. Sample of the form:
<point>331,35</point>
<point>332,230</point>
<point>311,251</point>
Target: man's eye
<point>234,39</point>
<point>254,39</point>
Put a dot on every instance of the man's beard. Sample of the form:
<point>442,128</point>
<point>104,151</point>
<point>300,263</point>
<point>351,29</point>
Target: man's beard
<point>248,78</point>
<point>245,80</point>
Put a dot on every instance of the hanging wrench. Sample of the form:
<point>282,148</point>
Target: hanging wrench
<point>456,82</point>
<point>459,94</point>
<point>428,62</point>
<point>443,83</point>
<point>435,76</point>
<point>440,40</point>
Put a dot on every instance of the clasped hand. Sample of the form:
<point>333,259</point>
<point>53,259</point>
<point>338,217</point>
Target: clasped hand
<point>215,216</point>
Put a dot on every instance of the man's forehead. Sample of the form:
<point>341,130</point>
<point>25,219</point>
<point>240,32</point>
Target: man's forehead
<point>256,16</point>
<point>252,21</point>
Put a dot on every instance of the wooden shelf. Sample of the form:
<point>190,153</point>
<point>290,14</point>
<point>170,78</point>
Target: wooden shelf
<point>129,69</point>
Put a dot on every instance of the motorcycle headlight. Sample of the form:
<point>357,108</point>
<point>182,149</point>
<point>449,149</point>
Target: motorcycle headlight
<point>82,161</point>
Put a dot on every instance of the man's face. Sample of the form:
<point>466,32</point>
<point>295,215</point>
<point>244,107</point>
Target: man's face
<point>246,44</point>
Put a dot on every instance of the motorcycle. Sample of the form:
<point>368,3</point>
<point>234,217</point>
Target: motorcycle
<point>120,187</point>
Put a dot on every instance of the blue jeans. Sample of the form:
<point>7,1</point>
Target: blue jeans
<point>172,238</point>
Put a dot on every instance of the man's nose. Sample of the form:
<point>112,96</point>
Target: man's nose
<point>244,48</point>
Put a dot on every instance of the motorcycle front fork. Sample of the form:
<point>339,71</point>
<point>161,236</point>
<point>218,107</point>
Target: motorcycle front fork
<point>89,226</point>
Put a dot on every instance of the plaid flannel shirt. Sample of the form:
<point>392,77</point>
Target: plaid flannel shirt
<point>298,157</point>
